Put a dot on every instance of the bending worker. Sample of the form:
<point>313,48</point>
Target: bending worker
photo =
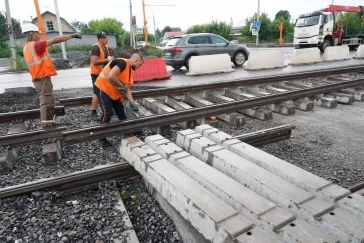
<point>41,69</point>
<point>116,75</point>
<point>100,56</point>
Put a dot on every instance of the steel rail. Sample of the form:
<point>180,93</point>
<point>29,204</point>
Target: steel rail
<point>267,136</point>
<point>135,125</point>
<point>130,126</point>
<point>118,171</point>
<point>27,115</point>
<point>220,85</point>
<point>357,187</point>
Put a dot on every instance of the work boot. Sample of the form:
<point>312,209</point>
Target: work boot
<point>104,143</point>
<point>94,116</point>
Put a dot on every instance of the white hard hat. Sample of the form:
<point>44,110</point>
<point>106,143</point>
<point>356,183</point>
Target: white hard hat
<point>29,27</point>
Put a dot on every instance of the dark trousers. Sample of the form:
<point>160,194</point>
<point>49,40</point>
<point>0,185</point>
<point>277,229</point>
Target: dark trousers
<point>107,107</point>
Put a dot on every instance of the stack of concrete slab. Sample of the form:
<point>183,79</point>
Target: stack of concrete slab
<point>232,192</point>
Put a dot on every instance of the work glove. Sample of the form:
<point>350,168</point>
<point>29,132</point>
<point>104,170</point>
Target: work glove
<point>122,91</point>
<point>133,107</point>
<point>76,36</point>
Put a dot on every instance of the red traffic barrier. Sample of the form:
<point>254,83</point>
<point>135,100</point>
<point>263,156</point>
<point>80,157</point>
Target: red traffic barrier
<point>152,69</point>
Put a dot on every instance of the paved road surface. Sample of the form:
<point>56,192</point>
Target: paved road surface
<point>80,78</point>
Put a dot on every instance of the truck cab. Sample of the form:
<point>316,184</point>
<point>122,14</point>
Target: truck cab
<point>314,30</point>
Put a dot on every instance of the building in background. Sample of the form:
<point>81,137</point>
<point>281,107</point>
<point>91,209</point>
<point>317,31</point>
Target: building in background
<point>236,29</point>
<point>51,24</point>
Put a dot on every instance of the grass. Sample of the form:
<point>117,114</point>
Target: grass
<point>20,65</point>
<point>58,49</point>
<point>154,52</point>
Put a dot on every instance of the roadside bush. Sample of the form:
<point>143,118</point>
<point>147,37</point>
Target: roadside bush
<point>5,51</point>
<point>20,64</point>
<point>151,51</point>
<point>58,49</point>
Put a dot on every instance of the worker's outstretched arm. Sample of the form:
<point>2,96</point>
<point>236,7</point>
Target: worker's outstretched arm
<point>63,38</point>
<point>129,94</point>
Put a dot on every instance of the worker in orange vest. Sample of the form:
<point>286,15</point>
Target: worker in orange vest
<point>114,82</point>
<point>100,56</point>
<point>41,69</point>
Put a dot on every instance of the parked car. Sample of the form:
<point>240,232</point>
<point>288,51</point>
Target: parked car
<point>180,49</point>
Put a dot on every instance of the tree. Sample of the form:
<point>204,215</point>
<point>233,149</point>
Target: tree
<point>219,28</point>
<point>79,26</point>
<point>265,33</point>
<point>352,22</point>
<point>108,25</point>
<point>166,29</point>
<point>3,23</point>
<point>288,29</point>
<point>283,14</point>
<point>158,33</point>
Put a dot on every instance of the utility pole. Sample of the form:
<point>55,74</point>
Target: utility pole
<point>11,35</point>
<point>131,26</point>
<point>258,16</point>
<point>42,30</point>
<point>145,20</point>
<point>60,30</point>
<point>155,36</point>
<point>145,24</point>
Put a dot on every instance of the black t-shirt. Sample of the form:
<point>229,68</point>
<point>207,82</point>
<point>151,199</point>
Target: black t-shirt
<point>95,51</point>
<point>120,63</point>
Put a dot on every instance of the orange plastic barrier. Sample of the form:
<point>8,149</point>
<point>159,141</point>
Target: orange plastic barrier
<point>152,69</point>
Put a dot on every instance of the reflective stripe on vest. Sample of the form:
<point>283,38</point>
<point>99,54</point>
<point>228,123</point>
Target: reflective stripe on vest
<point>35,57</point>
<point>39,66</point>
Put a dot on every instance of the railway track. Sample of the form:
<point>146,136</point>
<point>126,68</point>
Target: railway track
<point>292,95</point>
<point>282,98</point>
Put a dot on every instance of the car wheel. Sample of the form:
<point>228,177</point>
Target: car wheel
<point>187,61</point>
<point>176,67</point>
<point>239,58</point>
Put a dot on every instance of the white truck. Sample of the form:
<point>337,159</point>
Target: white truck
<point>322,29</point>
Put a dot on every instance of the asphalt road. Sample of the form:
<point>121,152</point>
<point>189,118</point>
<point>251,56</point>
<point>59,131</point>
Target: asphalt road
<point>80,78</point>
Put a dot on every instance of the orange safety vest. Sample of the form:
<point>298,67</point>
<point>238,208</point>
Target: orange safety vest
<point>105,84</point>
<point>39,66</point>
<point>96,69</point>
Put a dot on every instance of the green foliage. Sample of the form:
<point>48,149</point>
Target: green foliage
<point>108,25</point>
<point>354,24</point>
<point>219,28</point>
<point>58,49</point>
<point>20,65</point>
<point>269,30</point>
<point>15,24</point>
<point>166,29</point>
<point>79,26</point>
<point>288,29</point>
<point>6,52</point>
<point>154,52</point>
<point>283,14</point>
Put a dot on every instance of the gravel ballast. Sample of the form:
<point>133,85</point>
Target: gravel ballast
<point>326,142</point>
<point>48,217</point>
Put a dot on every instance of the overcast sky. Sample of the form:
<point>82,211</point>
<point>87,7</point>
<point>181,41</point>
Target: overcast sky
<point>184,14</point>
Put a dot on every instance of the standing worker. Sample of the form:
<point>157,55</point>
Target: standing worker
<point>41,69</point>
<point>100,56</point>
<point>117,74</point>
